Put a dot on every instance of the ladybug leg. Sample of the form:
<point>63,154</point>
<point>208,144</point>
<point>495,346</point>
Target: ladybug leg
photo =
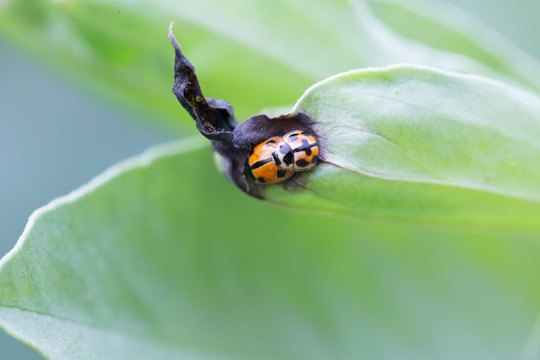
<point>214,118</point>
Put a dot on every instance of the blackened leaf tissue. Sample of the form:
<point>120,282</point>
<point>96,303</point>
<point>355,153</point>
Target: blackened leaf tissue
<point>215,120</point>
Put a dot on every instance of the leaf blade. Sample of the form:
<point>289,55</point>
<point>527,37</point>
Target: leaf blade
<point>457,32</point>
<point>114,49</point>
<point>473,138</point>
<point>134,255</point>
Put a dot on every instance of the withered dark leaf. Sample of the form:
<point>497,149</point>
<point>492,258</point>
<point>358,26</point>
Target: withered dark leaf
<point>215,120</point>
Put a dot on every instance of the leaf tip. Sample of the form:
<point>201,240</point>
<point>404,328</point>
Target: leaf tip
<point>172,38</point>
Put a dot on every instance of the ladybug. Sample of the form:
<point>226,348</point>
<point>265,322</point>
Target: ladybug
<point>277,159</point>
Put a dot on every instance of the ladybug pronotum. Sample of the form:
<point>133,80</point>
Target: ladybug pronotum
<point>277,159</point>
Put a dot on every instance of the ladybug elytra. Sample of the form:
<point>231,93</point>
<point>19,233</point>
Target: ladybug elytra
<point>277,159</point>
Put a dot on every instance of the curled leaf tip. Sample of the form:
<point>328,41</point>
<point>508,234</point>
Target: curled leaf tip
<point>172,38</point>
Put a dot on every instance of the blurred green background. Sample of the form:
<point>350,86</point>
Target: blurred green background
<point>57,137</point>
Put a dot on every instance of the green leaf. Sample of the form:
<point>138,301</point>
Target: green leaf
<point>419,144</point>
<point>123,53</point>
<point>161,258</point>
<point>457,32</point>
<point>252,53</point>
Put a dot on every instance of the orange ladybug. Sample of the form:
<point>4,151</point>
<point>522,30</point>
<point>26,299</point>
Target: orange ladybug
<point>277,159</point>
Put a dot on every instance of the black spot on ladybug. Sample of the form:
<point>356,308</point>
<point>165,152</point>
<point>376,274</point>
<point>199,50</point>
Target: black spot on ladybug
<point>289,158</point>
<point>306,147</point>
<point>302,163</point>
<point>281,173</point>
<point>261,180</point>
<point>247,171</point>
<point>276,158</point>
<point>260,163</point>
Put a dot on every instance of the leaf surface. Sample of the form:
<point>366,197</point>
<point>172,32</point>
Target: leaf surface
<point>145,262</point>
<point>416,143</point>
<point>252,53</point>
<point>442,26</point>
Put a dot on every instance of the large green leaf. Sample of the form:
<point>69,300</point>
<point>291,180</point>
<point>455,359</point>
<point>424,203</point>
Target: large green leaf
<point>253,53</point>
<point>415,143</point>
<point>442,26</point>
<point>144,262</point>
